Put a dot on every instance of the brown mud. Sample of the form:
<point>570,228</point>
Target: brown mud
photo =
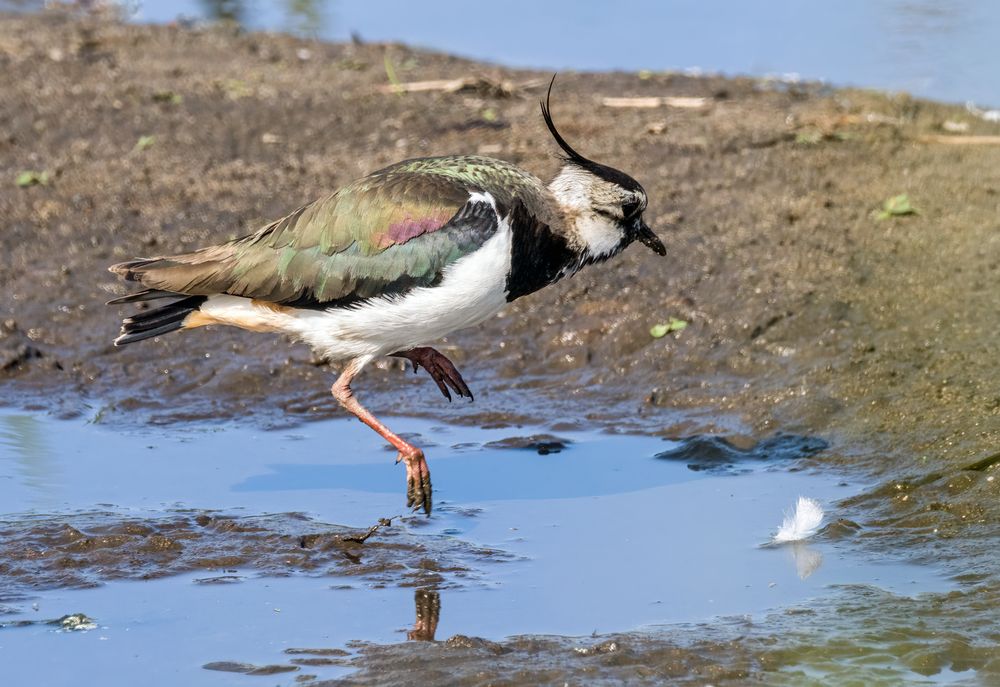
<point>87,549</point>
<point>785,649</point>
<point>807,314</point>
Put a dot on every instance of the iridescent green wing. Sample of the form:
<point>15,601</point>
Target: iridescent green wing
<point>384,234</point>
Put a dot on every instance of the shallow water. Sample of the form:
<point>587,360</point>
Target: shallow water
<point>601,536</point>
<point>941,50</point>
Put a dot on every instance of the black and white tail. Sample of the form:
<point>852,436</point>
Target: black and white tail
<point>161,320</point>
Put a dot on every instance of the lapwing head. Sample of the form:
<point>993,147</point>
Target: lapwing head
<point>605,204</point>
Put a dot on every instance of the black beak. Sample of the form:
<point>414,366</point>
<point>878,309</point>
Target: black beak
<point>649,239</point>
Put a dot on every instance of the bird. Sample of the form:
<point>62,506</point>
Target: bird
<point>396,260</point>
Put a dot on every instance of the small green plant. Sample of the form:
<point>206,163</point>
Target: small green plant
<point>32,178</point>
<point>168,97</point>
<point>809,137</point>
<point>390,73</point>
<point>143,143</point>
<point>658,331</point>
<point>897,206</point>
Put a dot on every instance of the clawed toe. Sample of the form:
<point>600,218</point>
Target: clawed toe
<point>439,378</point>
<point>442,371</point>
<point>451,375</point>
<point>419,494</point>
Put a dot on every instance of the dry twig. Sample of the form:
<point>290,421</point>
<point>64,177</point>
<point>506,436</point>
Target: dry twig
<point>683,102</point>
<point>382,522</point>
<point>479,84</point>
<point>960,140</point>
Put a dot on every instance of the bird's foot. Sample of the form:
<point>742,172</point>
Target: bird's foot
<point>442,371</point>
<point>428,613</point>
<point>418,479</point>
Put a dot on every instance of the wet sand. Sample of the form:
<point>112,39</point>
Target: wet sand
<point>808,315</point>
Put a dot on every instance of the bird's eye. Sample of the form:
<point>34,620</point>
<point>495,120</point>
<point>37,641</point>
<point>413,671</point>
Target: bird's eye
<point>631,209</point>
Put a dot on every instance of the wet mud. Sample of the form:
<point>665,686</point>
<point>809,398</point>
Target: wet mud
<point>716,453</point>
<point>808,315</point>
<point>87,549</point>
<point>785,649</point>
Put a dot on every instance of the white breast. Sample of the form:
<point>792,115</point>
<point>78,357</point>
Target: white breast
<point>471,290</point>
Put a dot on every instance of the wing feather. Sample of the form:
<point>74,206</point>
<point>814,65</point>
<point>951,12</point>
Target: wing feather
<point>385,234</point>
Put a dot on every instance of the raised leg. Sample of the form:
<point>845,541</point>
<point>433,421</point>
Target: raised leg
<point>441,370</point>
<point>418,476</point>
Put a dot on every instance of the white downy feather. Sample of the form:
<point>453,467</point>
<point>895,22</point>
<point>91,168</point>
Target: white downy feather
<point>802,523</point>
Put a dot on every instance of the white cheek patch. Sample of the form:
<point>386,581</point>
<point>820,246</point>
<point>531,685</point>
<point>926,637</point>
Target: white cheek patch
<point>601,236</point>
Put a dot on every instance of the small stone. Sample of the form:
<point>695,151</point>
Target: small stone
<point>466,642</point>
<point>76,622</point>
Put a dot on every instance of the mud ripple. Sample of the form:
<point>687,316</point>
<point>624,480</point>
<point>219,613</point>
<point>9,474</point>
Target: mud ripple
<point>86,549</point>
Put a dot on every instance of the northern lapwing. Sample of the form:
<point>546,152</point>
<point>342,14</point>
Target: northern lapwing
<point>396,260</point>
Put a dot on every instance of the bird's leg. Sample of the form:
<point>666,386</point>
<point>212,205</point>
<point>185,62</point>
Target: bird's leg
<point>418,476</point>
<point>441,370</point>
<point>428,613</point>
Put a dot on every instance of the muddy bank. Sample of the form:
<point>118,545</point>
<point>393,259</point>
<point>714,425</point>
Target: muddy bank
<point>804,309</point>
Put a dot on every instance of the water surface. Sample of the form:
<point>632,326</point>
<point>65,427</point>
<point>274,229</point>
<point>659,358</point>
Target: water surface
<point>599,537</point>
<point>941,49</point>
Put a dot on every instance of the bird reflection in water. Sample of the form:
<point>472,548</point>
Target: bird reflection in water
<point>428,612</point>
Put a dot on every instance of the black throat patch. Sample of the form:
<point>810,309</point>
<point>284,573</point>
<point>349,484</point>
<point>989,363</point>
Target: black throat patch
<point>539,256</point>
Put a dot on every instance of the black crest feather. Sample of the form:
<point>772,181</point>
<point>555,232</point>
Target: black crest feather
<point>603,171</point>
<point>571,154</point>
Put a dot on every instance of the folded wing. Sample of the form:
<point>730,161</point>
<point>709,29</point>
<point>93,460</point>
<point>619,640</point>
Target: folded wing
<point>382,235</point>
